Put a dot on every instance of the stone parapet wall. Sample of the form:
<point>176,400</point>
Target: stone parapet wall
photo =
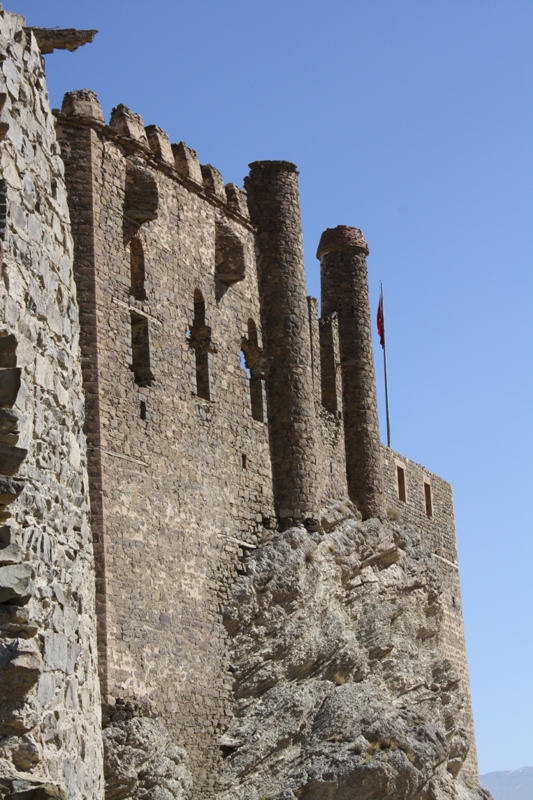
<point>439,529</point>
<point>50,738</point>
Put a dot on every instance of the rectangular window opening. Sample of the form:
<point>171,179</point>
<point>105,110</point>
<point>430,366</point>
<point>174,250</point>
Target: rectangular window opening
<point>428,499</point>
<point>140,346</point>
<point>257,392</point>
<point>400,474</point>
<point>143,410</point>
<point>202,376</point>
<point>244,460</point>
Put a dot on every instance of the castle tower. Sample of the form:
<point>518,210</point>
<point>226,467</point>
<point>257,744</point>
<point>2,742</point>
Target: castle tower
<point>342,253</point>
<point>274,203</point>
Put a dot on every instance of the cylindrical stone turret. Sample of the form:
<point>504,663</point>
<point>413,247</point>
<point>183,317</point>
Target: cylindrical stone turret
<point>342,252</point>
<point>274,202</point>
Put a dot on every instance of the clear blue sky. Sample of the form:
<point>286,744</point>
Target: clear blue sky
<point>412,120</point>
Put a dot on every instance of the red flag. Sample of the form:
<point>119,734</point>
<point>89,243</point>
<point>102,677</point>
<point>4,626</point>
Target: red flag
<point>381,321</point>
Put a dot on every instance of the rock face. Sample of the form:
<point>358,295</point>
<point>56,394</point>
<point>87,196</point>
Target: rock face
<point>341,691</point>
<point>141,760</point>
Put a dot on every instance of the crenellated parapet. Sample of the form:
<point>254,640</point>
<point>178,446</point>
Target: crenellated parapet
<point>152,145</point>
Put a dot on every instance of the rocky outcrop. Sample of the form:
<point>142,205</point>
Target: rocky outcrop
<point>341,691</point>
<point>50,39</point>
<point>141,760</point>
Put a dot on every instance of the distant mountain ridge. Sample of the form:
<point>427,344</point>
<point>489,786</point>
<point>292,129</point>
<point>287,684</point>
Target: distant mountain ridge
<point>516,784</point>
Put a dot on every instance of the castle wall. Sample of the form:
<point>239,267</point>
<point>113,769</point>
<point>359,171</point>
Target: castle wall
<point>438,530</point>
<point>213,405</point>
<point>49,695</point>
<point>327,390</point>
<point>182,479</point>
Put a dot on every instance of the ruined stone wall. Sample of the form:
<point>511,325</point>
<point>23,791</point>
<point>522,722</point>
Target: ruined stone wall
<point>437,530</point>
<point>49,697</point>
<point>179,446</point>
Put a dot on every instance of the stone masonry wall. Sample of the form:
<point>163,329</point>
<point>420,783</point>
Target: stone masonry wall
<point>50,736</point>
<point>274,201</point>
<point>344,283</point>
<point>327,389</point>
<point>182,480</point>
<point>438,530</point>
<point>213,408</point>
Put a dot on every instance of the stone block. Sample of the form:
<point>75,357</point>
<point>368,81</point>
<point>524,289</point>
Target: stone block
<point>186,162</point>
<point>20,667</point>
<point>128,124</point>
<point>213,181</point>
<point>14,582</point>
<point>237,199</point>
<point>9,490</point>
<point>83,103</point>
<point>160,144</point>
<point>11,458</point>
<point>8,346</point>
<point>56,652</point>
<point>11,554</point>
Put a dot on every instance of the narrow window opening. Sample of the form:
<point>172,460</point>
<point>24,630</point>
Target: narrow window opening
<point>400,473</point>
<point>137,288</point>
<point>140,346</point>
<point>202,376</point>
<point>243,460</point>
<point>252,363</point>
<point>200,340</point>
<point>143,410</point>
<point>252,334</point>
<point>244,365</point>
<point>331,467</point>
<point>428,499</point>
<point>257,391</point>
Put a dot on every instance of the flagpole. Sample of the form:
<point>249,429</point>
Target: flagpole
<point>385,365</point>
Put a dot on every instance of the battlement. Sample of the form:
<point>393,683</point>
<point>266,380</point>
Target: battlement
<point>152,145</point>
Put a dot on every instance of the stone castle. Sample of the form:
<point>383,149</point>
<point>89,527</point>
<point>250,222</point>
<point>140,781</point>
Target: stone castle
<point>170,400</point>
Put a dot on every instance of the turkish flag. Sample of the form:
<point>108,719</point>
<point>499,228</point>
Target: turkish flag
<point>381,321</point>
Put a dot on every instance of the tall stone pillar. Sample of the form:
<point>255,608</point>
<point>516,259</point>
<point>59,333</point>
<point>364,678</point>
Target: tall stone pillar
<point>342,252</point>
<point>274,202</point>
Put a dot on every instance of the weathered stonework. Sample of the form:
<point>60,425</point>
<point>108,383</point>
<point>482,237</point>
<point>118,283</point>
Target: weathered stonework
<point>219,412</point>
<point>437,531</point>
<point>274,200</point>
<point>50,740</point>
<point>344,281</point>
